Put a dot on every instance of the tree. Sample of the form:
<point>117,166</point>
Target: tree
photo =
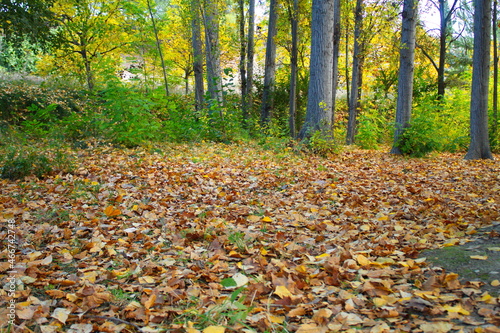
<point>28,18</point>
<point>319,112</point>
<point>495,72</point>
<point>158,46</point>
<point>405,75</point>
<point>270,65</point>
<point>89,30</point>
<point>357,73</point>
<point>210,12</point>
<point>336,51</point>
<point>243,52</point>
<point>250,56</point>
<point>199,90</point>
<point>294,22</point>
<point>479,147</point>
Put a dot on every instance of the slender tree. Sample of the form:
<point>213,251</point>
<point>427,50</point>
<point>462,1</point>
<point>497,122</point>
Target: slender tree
<point>406,69</point>
<point>197,45</point>
<point>250,56</point>
<point>354,103</point>
<point>270,65</point>
<point>158,46</point>
<point>294,21</point>
<point>336,52</point>
<point>479,147</point>
<point>319,112</point>
<point>495,71</point>
<point>242,64</point>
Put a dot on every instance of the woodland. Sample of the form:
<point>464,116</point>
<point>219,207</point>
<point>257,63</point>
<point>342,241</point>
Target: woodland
<point>247,166</point>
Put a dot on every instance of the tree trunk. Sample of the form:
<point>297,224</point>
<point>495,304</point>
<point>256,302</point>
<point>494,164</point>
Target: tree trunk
<point>479,147</point>
<point>242,65</point>
<point>406,68</point>
<point>270,66</point>
<point>495,73</point>
<point>89,75</point>
<point>356,74</point>
<point>250,55</point>
<point>158,46</point>
<point>294,18</point>
<point>199,90</point>
<point>319,108</point>
<point>212,49</point>
<point>336,52</point>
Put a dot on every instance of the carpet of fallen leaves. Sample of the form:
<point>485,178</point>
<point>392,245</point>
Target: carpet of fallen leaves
<point>218,238</point>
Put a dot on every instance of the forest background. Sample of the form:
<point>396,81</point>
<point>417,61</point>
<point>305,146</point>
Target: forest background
<point>67,65</point>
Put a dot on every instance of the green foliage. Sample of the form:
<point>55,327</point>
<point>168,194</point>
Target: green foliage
<point>20,162</point>
<point>438,126</point>
<point>18,57</point>
<point>323,146</point>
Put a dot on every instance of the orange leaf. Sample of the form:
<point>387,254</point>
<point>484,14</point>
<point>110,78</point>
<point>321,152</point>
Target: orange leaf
<point>111,211</point>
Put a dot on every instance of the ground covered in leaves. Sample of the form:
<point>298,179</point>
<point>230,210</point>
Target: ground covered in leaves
<point>218,238</point>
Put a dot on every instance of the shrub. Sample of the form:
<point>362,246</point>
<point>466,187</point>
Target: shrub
<point>21,162</point>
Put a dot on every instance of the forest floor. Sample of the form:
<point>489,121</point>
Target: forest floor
<point>214,238</point>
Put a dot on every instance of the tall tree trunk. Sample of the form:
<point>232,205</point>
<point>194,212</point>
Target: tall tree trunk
<point>347,82</point>
<point>495,73</point>
<point>406,69</point>
<point>250,55</point>
<point>479,147</point>
<point>356,74</point>
<point>89,75</point>
<point>294,19</point>
<point>336,52</point>
<point>158,46</point>
<point>319,109</point>
<point>212,49</point>
<point>199,90</point>
<point>270,66</point>
<point>242,65</point>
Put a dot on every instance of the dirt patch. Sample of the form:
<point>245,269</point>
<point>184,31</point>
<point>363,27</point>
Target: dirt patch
<point>478,260</point>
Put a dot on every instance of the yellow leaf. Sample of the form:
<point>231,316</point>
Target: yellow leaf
<point>362,260</point>
<point>263,251</point>
<point>383,218</point>
<point>276,319</point>
<point>379,302</point>
<point>309,328</point>
<point>497,249</point>
<point>111,211</point>
<point>282,292</point>
<point>479,257</point>
<point>150,302</point>
<point>436,327</point>
<point>495,283</point>
<point>214,329</point>
<point>324,255</point>
<point>146,279</point>
<point>267,219</point>
<point>456,309</point>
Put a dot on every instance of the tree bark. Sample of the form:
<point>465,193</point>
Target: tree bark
<point>199,90</point>
<point>406,69</point>
<point>270,66</point>
<point>495,72</point>
<point>319,104</point>
<point>336,53</point>
<point>242,64</point>
<point>250,56</point>
<point>294,19</point>
<point>479,147</point>
<point>356,74</point>
<point>212,50</point>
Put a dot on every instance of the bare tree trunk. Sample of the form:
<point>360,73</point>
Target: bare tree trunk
<point>199,90</point>
<point>212,49</point>
<point>294,17</point>
<point>250,56</point>
<point>336,52</point>
<point>319,108</point>
<point>479,147</point>
<point>242,65</point>
<point>406,68</point>
<point>89,75</point>
<point>356,74</point>
<point>158,46</point>
<point>495,72</point>
<point>270,66</point>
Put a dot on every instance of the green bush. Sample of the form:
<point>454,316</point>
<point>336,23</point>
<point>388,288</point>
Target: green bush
<point>21,162</point>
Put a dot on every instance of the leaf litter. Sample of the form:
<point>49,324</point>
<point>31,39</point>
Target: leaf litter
<point>214,238</point>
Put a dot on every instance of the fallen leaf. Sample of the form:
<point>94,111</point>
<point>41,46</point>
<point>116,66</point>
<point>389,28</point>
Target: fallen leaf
<point>61,314</point>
